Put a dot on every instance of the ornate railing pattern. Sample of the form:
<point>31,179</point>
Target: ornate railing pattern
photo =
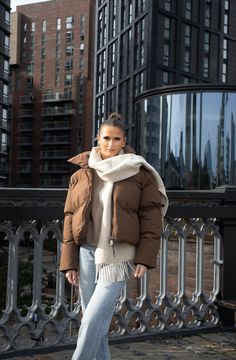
<point>41,310</point>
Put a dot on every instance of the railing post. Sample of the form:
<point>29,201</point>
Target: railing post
<point>228,232</point>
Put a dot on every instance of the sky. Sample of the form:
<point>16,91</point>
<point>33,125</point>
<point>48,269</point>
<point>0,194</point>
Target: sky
<point>15,3</point>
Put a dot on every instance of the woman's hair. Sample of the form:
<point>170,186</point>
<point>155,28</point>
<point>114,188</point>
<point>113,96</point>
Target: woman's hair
<point>114,119</point>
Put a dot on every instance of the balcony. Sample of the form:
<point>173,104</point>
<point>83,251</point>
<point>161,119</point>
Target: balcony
<point>4,124</point>
<point>54,168</point>
<point>25,141</point>
<point>54,97</point>
<point>55,125</point>
<point>56,139</point>
<point>25,126</point>
<point>25,113</point>
<point>57,111</point>
<point>54,154</point>
<point>180,296</point>
<point>27,99</point>
<point>24,155</point>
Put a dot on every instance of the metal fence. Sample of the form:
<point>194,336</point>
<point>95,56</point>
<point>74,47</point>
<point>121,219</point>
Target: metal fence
<point>39,309</point>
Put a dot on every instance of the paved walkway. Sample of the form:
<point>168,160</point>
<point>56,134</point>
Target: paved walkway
<point>216,346</point>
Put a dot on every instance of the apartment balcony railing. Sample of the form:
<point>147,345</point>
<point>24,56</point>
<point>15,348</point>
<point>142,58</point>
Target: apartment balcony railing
<point>27,99</point>
<point>56,97</point>
<point>53,168</point>
<point>25,126</point>
<point>54,154</point>
<point>26,113</point>
<point>56,125</point>
<point>55,139</point>
<point>39,309</point>
<point>57,111</point>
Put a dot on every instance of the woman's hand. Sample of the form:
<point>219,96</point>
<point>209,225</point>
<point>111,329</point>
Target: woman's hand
<point>72,277</point>
<point>140,270</point>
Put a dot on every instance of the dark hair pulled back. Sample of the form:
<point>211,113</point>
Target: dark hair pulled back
<point>114,119</point>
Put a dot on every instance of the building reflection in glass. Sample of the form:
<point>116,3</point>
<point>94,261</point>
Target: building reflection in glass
<point>190,137</point>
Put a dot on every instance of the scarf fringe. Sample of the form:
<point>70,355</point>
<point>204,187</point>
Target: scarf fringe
<point>109,273</point>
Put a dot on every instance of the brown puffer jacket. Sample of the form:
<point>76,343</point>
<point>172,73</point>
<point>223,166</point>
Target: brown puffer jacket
<point>137,217</point>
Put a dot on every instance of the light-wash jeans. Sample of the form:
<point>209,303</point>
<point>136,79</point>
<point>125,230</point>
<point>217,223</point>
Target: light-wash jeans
<point>98,304</point>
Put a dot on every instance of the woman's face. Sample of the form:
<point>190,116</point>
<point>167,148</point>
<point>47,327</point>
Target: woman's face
<point>111,140</point>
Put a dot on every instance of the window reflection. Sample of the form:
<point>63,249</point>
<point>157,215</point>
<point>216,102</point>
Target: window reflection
<point>190,138</point>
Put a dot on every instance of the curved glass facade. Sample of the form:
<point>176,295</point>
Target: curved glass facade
<point>189,137</point>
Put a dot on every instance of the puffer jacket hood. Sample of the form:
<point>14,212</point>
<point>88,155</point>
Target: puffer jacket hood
<point>82,159</point>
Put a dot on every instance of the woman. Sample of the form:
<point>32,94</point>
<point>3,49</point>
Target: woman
<point>113,221</point>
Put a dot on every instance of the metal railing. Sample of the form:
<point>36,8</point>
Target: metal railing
<point>41,310</point>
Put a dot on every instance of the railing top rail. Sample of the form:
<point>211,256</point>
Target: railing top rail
<point>48,203</point>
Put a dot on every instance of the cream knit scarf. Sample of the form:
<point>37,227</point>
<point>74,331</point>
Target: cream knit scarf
<point>117,266</point>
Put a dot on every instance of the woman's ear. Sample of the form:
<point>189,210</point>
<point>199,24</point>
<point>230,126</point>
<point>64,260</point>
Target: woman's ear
<point>98,137</point>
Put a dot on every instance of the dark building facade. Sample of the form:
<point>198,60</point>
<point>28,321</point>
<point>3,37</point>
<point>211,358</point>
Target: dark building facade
<point>4,88</point>
<point>51,87</point>
<point>144,44</point>
<point>144,49</point>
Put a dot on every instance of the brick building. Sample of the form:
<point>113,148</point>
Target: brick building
<point>51,87</point>
<point>4,88</point>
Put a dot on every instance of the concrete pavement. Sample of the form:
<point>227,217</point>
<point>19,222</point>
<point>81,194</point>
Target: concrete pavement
<point>217,346</point>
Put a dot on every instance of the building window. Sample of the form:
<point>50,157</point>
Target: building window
<point>44,26</point>
<point>33,26</point>
<point>42,67</point>
<point>58,38</point>
<point>187,35</point>
<point>5,93</point>
<point>206,41</point>
<point>224,73</point>
<point>102,27</point>
<point>58,23</point>
<point>57,80</point>
<point>225,58</point>
<point>187,60</point>
<point>206,66</point>
<point>139,46</point>
<point>42,53</point>
<point>130,12</point>
<point>82,35</point>
<point>6,43</point>
<point>42,80</point>
<point>69,22</point>
<point>167,28</point>
<point>82,21</point>
<point>166,53</point>
<point>81,63</point>
<point>7,17</point>
<point>69,51</point>
<point>113,24</point>
<point>165,78</point>
<point>226,23</point>
<point>188,9</point>
<point>101,71</point>
<point>140,6</point>
<point>69,36</point>
<point>167,5</point>
<point>112,63</point>
<point>139,83</point>
<point>43,39</point>
<point>3,142</point>
<point>4,118</point>
<point>58,52</point>
<point>57,68</point>
<point>225,49</point>
<point>6,69</point>
<point>68,64</point>
<point>68,79</point>
<point>207,13</point>
<point>30,69</point>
